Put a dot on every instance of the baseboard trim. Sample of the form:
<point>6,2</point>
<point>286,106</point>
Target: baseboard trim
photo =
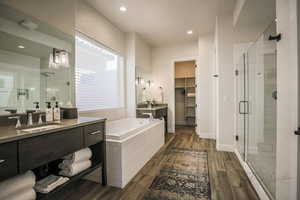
<point>225,147</point>
<point>255,183</point>
<point>171,130</point>
<point>206,135</point>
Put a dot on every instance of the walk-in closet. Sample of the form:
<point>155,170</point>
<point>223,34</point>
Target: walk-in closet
<point>185,93</point>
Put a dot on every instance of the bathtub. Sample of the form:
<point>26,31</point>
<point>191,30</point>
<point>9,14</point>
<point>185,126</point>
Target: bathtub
<point>131,143</point>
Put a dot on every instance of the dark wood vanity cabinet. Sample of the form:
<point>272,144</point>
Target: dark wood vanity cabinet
<point>37,151</point>
<point>8,160</point>
<point>33,152</point>
<point>93,134</point>
<point>159,113</point>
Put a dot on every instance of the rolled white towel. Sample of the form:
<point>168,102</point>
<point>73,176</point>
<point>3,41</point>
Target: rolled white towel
<point>81,155</point>
<point>16,184</point>
<point>76,168</point>
<point>27,194</point>
<point>66,163</point>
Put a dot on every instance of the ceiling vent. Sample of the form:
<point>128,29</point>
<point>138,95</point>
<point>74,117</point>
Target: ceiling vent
<point>28,24</point>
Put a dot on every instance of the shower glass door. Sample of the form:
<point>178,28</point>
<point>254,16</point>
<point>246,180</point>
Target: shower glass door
<point>241,112</point>
<point>261,95</point>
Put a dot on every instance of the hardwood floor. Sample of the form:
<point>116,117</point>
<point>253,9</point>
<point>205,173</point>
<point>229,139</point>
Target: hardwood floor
<point>227,179</point>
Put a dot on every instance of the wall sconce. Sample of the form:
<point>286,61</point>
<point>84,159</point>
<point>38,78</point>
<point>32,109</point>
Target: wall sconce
<point>59,58</point>
<point>149,83</point>
<point>139,81</point>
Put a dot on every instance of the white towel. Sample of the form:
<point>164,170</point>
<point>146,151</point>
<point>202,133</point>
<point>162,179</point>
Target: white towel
<point>76,168</point>
<point>70,162</point>
<point>191,94</point>
<point>83,154</point>
<point>27,194</point>
<point>16,184</point>
<point>49,183</point>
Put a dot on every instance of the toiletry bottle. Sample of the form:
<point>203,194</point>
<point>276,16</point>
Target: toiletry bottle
<point>37,106</point>
<point>49,112</point>
<point>56,112</point>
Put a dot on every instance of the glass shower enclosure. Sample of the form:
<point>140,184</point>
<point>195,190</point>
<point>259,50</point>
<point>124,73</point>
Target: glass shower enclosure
<point>256,118</point>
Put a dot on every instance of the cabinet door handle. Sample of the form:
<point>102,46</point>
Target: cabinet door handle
<point>96,133</point>
<point>247,107</point>
<point>2,161</point>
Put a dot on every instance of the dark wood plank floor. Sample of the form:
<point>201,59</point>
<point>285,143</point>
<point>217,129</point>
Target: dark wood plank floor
<point>227,178</point>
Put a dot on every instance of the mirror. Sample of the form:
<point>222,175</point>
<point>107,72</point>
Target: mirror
<point>147,92</point>
<point>36,62</point>
<point>143,92</point>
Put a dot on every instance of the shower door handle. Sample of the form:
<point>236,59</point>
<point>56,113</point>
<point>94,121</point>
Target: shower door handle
<point>247,110</point>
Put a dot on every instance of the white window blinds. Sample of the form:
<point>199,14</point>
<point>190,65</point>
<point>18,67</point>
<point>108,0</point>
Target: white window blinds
<point>99,76</point>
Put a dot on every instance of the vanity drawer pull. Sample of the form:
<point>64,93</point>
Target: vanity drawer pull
<point>96,133</point>
<point>2,161</point>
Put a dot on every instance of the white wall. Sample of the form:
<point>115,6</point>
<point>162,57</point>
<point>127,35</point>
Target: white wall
<point>224,40</point>
<point>287,103</point>
<point>163,59</point>
<point>205,91</point>
<point>90,22</point>
<point>130,75</point>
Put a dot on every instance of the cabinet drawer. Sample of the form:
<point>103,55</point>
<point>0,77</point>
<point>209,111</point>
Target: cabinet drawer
<point>94,133</point>
<point>40,150</point>
<point>161,113</point>
<point>8,160</point>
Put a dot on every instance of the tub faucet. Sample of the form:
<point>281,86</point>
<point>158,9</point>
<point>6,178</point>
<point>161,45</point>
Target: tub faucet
<point>150,116</point>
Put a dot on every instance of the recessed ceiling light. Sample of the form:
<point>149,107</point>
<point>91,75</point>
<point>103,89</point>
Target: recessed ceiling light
<point>190,32</point>
<point>21,47</point>
<point>123,9</point>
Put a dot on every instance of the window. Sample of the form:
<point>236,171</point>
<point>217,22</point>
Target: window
<point>99,76</point>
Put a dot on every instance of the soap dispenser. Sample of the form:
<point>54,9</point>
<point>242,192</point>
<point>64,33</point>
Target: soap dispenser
<point>49,112</point>
<point>37,106</point>
<point>56,112</point>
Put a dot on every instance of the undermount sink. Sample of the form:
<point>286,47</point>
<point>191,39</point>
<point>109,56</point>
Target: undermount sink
<point>40,128</point>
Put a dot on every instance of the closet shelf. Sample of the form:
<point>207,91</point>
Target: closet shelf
<point>192,125</point>
<point>190,116</point>
<point>190,106</point>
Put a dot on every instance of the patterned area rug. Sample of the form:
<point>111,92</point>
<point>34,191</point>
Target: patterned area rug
<point>183,176</point>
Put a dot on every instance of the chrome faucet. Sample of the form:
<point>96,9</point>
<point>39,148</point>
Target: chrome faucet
<point>18,125</point>
<point>150,115</point>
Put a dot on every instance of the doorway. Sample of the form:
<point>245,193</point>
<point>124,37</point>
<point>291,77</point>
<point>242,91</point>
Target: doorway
<point>185,94</point>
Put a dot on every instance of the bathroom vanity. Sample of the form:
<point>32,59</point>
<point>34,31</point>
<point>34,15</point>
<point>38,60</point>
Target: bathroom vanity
<point>158,111</point>
<point>22,151</point>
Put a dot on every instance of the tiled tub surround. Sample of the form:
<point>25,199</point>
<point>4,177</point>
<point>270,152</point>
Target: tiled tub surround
<point>130,145</point>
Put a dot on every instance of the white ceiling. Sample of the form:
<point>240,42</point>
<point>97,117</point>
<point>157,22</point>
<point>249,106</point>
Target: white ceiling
<point>163,22</point>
